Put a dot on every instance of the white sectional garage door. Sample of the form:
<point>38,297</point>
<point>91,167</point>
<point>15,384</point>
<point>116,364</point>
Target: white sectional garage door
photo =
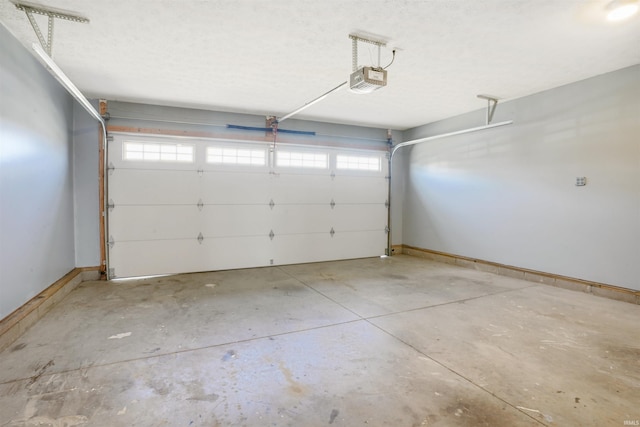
<point>181,205</point>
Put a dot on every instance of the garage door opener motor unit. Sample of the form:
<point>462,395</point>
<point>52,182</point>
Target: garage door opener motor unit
<point>368,79</point>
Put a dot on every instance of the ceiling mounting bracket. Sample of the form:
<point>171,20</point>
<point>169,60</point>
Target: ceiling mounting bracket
<point>51,13</point>
<point>492,103</point>
<point>354,48</point>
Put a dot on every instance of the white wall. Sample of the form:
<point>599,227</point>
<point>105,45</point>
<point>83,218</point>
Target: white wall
<point>86,188</point>
<point>36,182</point>
<point>215,123</point>
<point>398,183</point>
<point>507,195</point>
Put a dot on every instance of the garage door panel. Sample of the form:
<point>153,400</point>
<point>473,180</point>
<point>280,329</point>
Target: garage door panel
<point>154,187</point>
<point>236,252</point>
<point>359,217</point>
<point>323,247</point>
<point>154,222</point>
<point>143,258</point>
<point>358,189</point>
<point>236,220</point>
<point>301,188</point>
<point>152,257</point>
<point>359,244</point>
<point>300,248</point>
<point>236,188</point>
<point>296,219</point>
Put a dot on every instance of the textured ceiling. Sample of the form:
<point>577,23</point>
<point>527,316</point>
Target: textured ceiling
<point>271,57</point>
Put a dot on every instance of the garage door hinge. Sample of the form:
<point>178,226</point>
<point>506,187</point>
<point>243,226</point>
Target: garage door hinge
<point>271,204</point>
<point>111,242</point>
<point>109,137</point>
<point>111,205</point>
<point>386,204</point>
<point>110,168</point>
<point>271,235</point>
<point>387,155</point>
<point>387,177</point>
<point>200,238</point>
<point>332,232</point>
<point>333,175</point>
<point>332,204</point>
<point>200,172</point>
<point>386,229</point>
<point>200,205</point>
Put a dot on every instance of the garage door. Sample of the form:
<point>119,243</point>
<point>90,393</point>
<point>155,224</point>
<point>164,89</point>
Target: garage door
<point>183,205</point>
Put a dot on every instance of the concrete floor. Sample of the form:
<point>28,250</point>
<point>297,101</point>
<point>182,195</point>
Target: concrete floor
<point>399,341</point>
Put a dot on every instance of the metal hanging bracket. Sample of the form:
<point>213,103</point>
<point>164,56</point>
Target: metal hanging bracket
<point>492,103</point>
<point>51,13</point>
<point>354,48</point>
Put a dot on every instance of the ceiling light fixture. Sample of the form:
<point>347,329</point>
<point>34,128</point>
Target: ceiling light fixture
<point>618,10</point>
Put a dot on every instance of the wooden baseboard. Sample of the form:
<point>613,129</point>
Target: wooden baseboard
<point>16,323</point>
<point>600,289</point>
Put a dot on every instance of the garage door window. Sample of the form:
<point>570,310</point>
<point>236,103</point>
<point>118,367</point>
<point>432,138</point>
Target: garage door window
<point>363,163</point>
<point>236,156</point>
<point>300,159</point>
<point>155,152</point>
